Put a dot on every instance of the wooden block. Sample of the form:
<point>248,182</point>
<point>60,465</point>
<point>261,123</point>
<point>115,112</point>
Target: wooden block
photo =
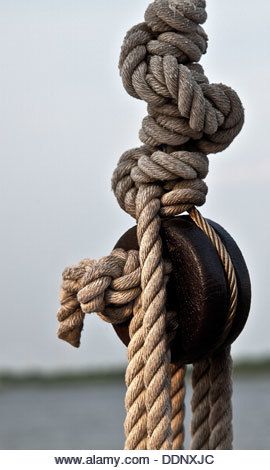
<point>197,289</point>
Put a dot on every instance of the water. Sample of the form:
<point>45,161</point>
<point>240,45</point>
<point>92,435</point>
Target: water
<point>91,416</point>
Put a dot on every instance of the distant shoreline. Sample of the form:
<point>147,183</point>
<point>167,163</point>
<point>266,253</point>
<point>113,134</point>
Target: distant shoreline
<point>9,379</point>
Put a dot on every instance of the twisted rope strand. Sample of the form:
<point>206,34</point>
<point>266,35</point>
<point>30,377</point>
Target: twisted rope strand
<point>220,397</point>
<point>155,350</point>
<point>218,378</point>
<point>228,267</point>
<point>135,422</point>
<point>178,392</point>
<point>200,406</point>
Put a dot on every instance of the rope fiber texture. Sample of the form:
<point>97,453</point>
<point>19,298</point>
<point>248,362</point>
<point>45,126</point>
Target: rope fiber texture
<point>188,118</point>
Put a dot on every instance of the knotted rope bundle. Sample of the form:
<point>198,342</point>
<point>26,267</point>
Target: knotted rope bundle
<point>188,118</point>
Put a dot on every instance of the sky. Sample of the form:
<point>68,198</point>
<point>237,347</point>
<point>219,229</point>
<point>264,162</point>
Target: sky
<point>65,120</point>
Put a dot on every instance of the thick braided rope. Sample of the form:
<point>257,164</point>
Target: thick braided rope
<point>178,392</point>
<point>155,349</point>
<point>200,406</point>
<point>135,422</point>
<point>220,397</point>
<point>211,425</point>
<point>187,119</point>
<point>112,285</point>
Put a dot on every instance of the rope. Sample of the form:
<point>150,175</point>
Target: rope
<point>178,392</point>
<point>109,287</point>
<point>200,406</point>
<point>155,352</point>
<point>211,404</point>
<point>212,383</point>
<point>188,118</point>
<point>228,268</point>
<point>220,396</point>
<point>136,419</point>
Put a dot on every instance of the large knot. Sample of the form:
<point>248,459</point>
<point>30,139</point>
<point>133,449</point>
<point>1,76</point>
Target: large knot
<point>179,15</point>
<point>108,286</point>
<point>157,65</point>
<point>170,28</point>
<point>179,175</point>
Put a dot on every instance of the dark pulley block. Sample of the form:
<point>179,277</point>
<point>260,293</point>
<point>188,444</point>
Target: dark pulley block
<point>197,289</point>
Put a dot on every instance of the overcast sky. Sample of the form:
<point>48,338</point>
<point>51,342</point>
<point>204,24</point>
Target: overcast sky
<point>65,120</point>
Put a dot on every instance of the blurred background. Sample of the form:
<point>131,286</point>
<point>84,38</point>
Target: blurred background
<point>65,120</point>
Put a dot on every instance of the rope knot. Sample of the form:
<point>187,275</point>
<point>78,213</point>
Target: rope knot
<point>107,286</point>
<point>178,174</point>
<point>188,118</point>
<point>158,65</point>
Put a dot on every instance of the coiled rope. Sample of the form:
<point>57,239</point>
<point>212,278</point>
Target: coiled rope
<point>188,118</point>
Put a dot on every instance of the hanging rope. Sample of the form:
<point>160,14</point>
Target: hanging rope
<point>178,392</point>
<point>188,118</point>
